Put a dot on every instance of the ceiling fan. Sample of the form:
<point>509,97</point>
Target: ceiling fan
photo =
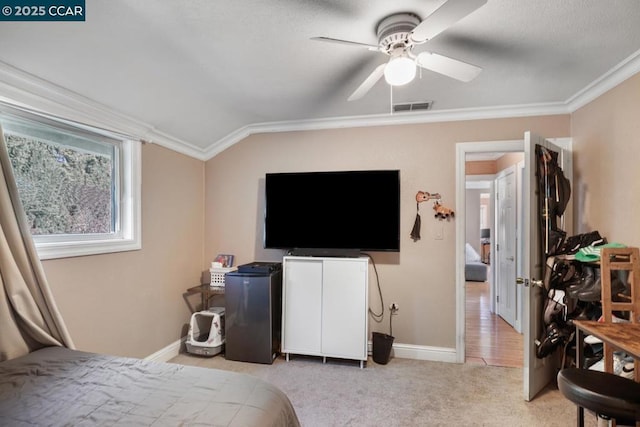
<point>399,33</point>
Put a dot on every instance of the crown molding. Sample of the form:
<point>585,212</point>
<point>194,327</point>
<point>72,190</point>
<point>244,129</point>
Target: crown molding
<point>616,75</point>
<point>507,111</point>
<point>163,139</point>
<point>27,90</point>
<point>229,140</point>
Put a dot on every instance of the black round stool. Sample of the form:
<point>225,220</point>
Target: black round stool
<point>608,395</point>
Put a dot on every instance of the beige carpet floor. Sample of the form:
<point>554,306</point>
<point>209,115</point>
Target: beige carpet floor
<point>404,393</point>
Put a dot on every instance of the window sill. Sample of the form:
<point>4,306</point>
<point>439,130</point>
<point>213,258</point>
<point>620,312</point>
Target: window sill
<point>83,248</point>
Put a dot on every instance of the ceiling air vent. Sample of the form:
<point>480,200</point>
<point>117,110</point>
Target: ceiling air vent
<point>412,106</point>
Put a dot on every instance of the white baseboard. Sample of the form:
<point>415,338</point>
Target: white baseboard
<point>404,351</point>
<point>167,353</point>
<point>422,352</point>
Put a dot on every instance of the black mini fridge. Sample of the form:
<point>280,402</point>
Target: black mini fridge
<point>253,314</point>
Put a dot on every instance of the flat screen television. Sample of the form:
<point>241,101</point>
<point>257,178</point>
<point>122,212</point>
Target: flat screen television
<point>331,213</point>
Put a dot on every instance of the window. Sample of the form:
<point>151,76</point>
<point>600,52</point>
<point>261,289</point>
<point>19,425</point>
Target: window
<point>79,186</point>
<point>484,210</point>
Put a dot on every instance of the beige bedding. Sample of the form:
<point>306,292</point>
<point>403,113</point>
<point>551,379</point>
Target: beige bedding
<point>57,386</point>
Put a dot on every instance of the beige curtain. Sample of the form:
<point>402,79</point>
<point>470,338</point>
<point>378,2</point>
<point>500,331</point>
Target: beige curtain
<point>29,318</point>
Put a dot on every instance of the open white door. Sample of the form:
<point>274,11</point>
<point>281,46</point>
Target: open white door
<point>537,372</point>
<point>505,249</point>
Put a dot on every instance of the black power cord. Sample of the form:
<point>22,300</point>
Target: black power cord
<point>377,317</point>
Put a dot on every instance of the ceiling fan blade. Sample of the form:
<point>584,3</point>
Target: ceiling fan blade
<point>442,18</point>
<point>448,66</point>
<point>347,42</point>
<point>368,83</point>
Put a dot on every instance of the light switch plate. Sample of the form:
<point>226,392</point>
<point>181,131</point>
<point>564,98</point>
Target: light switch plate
<point>438,231</point>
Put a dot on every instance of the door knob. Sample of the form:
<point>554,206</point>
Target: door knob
<point>526,282</point>
<point>510,258</point>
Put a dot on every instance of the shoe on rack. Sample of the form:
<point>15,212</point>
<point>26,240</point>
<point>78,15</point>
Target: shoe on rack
<point>590,311</point>
<point>564,274</point>
<point>627,371</point>
<point>619,364</point>
<point>572,274</point>
<point>572,244</point>
<point>591,290</point>
<point>623,276</point>
<point>594,293</point>
<point>554,337</point>
<point>595,350</point>
<point>555,309</point>
<point>585,311</point>
<point>587,279</point>
<point>592,340</point>
<point>591,354</point>
<point>581,312</point>
<point>593,359</point>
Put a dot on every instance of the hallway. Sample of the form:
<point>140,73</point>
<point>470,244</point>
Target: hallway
<point>489,339</point>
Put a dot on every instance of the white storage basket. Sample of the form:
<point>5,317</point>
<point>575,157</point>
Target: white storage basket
<point>217,275</point>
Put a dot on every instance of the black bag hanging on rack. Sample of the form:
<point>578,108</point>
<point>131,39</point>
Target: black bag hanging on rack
<point>554,191</point>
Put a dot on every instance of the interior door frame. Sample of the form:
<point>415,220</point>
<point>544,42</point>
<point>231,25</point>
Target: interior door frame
<point>462,148</point>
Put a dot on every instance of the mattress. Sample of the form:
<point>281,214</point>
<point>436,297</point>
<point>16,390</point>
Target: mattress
<point>56,386</point>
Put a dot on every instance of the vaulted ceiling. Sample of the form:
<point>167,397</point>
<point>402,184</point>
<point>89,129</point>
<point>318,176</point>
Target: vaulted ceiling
<point>200,71</point>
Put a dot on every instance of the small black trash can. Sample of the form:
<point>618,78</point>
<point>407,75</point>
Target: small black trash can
<point>382,344</point>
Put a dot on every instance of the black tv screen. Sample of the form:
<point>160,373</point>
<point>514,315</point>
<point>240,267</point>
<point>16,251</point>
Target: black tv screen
<point>345,210</point>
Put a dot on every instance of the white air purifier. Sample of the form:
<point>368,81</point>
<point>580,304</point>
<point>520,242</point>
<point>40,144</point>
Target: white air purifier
<point>206,332</point>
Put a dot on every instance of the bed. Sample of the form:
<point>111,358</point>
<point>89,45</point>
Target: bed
<point>58,386</point>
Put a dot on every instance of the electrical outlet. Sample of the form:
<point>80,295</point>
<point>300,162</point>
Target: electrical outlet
<point>394,307</point>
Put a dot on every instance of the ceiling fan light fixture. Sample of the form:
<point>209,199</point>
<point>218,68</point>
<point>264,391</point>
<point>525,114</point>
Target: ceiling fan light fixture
<point>400,70</point>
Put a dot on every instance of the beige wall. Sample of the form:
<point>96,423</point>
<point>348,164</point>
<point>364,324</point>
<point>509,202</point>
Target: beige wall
<point>481,167</point>
<point>131,303</point>
<point>508,159</point>
<point>606,140</point>
<point>421,277</point>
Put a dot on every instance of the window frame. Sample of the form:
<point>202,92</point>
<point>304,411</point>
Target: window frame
<point>128,235</point>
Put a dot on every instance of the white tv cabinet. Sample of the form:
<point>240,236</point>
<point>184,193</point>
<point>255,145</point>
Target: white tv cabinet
<point>325,307</point>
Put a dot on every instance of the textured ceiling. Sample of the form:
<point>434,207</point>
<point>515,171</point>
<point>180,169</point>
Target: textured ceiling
<point>199,70</point>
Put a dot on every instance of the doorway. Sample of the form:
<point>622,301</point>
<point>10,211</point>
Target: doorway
<point>490,305</point>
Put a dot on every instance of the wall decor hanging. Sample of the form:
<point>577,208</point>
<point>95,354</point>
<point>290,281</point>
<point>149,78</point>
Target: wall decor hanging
<point>442,212</point>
